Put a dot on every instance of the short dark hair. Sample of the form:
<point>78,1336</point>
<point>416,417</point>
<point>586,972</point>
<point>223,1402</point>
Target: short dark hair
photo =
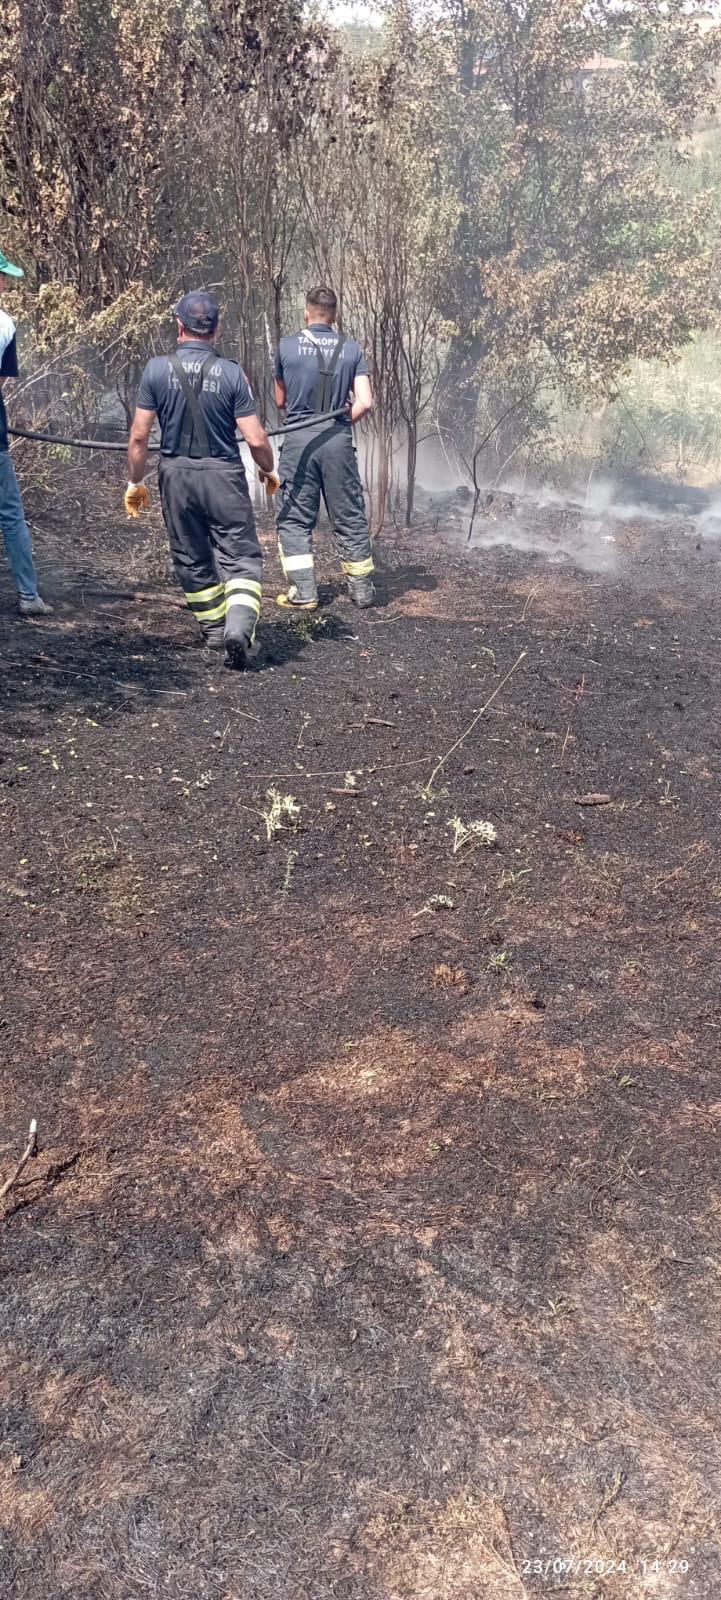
<point>322,299</point>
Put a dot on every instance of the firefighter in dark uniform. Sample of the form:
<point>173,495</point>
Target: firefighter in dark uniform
<point>321,370</point>
<point>199,397</point>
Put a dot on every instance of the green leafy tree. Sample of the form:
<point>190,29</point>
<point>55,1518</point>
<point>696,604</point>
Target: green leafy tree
<point>573,249</point>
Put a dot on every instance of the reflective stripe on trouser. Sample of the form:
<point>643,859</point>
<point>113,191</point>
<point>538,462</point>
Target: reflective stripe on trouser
<point>214,605</point>
<point>300,573</point>
<point>321,462</point>
<point>207,605</point>
<point>302,565</point>
<point>213,542</point>
<point>358,569</point>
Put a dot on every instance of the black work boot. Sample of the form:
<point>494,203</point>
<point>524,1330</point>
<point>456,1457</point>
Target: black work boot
<point>362,592</point>
<point>238,645</point>
<point>214,638</point>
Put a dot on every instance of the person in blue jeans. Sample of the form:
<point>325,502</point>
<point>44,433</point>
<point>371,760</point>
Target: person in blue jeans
<point>12,517</point>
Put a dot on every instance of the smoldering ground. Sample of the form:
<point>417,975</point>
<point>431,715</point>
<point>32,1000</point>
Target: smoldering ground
<point>583,524</point>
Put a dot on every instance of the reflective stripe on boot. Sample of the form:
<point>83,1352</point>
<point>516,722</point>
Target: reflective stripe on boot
<point>243,610</point>
<point>242,604</point>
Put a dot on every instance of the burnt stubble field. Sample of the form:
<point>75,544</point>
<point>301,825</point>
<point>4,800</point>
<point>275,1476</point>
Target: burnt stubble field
<point>372,1249</point>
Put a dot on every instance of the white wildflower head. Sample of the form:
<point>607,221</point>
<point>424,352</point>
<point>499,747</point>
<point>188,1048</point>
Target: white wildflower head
<point>480,833</point>
<point>281,809</point>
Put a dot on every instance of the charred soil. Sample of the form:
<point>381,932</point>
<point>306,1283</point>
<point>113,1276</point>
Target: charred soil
<point>372,1249</point>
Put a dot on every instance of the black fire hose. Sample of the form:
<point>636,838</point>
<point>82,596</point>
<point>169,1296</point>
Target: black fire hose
<point>113,444</point>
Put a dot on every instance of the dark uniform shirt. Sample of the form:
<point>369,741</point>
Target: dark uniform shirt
<point>8,368</point>
<point>226,394</point>
<point>298,368</point>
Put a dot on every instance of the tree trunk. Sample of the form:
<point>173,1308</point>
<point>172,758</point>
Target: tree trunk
<point>411,465</point>
<point>384,445</point>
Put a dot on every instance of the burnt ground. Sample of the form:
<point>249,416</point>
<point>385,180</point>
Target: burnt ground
<point>372,1250</point>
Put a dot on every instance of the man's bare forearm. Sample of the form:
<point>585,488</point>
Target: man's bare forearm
<point>256,438</point>
<point>362,401</point>
<point>263,456</point>
<point>137,459</point>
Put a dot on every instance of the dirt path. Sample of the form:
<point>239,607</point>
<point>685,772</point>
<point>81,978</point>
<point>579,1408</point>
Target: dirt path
<point>373,1247</point>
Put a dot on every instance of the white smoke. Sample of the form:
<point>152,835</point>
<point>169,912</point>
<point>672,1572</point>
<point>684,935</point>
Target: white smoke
<point>590,547</point>
<point>602,500</point>
<point>708,524</point>
<point>587,525</point>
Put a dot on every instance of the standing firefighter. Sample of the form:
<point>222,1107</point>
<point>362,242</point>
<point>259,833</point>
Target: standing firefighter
<point>320,370</point>
<point>12,517</point>
<point>199,397</point>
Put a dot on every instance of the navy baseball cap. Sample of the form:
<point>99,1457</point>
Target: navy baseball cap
<point>198,311</point>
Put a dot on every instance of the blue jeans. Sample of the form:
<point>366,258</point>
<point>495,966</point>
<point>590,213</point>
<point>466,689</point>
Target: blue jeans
<point>15,531</point>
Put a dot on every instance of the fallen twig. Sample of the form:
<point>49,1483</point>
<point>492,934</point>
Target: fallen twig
<point>347,794</point>
<point>30,1150</point>
<point>531,597</point>
<point>611,1495</point>
<point>372,722</point>
<point>440,764</point>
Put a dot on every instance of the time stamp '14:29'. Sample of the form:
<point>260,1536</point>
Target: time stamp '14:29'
<point>601,1566</point>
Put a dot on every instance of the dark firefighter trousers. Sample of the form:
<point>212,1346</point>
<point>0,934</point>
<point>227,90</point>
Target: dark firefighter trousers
<point>213,542</point>
<point>320,462</point>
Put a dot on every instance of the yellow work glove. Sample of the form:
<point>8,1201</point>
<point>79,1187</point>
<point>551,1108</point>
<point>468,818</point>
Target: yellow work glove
<point>137,499</point>
<point>270,482</point>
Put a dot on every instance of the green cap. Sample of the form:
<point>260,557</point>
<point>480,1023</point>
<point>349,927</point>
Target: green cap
<point>8,268</point>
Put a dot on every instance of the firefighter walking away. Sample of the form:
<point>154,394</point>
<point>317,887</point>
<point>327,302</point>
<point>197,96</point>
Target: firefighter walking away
<point>198,398</point>
<point>321,370</point>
